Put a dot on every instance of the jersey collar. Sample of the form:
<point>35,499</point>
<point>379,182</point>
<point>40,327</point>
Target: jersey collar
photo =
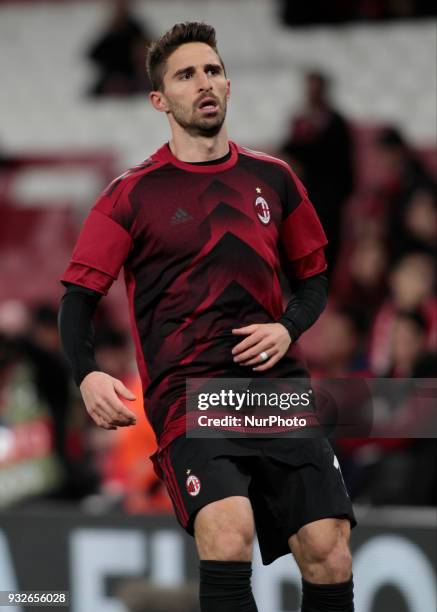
<point>165,154</point>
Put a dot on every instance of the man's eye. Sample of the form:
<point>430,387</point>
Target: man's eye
<point>185,76</point>
<point>213,70</point>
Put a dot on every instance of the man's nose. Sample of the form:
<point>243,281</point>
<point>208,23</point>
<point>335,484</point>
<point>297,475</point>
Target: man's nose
<point>203,82</point>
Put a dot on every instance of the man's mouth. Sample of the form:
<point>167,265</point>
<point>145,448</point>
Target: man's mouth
<point>208,105</point>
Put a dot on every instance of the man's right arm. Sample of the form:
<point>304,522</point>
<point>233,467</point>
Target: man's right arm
<point>101,250</point>
<point>100,391</point>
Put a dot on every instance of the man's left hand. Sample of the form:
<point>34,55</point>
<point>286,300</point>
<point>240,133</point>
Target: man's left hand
<point>265,344</point>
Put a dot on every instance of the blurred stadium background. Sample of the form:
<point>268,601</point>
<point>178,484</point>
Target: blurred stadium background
<point>340,88</point>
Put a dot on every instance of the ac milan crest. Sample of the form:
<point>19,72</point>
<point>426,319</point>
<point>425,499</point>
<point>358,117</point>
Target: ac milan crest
<point>262,210</point>
<point>193,485</point>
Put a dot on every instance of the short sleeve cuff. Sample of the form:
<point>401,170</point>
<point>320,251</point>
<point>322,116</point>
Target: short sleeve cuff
<point>78,274</point>
<point>302,232</point>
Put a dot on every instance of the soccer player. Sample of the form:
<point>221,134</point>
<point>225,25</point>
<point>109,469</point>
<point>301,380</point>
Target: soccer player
<point>203,228</point>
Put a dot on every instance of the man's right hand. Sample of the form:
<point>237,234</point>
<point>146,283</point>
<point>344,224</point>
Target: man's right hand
<point>101,394</point>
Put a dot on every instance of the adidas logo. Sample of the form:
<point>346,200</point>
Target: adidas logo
<point>180,216</point>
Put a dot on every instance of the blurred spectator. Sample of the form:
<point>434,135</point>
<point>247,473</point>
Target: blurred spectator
<point>342,339</point>
<point>72,459</point>
<point>4,161</point>
<point>52,377</point>
<point>36,406</point>
<point>119,54</point>
<point>106,469</point>
<point>122,456</point>
<point>418,227</point>
<point>113,351</point>
<point>32,335</point>
<point>391,9</point>
<point>343,11</point>
<point>411,289</point>
<point>316,12</point>
<point>361,277</point>
<point>319,141</point>
<point>408,344</point>
<point>40,346</point>
<point>402,176</point>
<point>385,471</point>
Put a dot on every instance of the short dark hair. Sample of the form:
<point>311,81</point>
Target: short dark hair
<point>180,34</point>
<point>319,76</point>
<point>391,138</point>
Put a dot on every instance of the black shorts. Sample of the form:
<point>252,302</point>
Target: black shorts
<point>289,482</point>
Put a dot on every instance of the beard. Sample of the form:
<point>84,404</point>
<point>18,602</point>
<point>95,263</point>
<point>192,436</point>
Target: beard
<point>199,126</point>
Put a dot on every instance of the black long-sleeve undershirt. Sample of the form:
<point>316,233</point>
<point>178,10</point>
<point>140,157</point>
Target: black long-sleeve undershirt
<point>79,304</point>
<point>75,321</point>
<point>306,305</point>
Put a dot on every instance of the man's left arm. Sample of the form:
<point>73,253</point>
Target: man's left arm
<point>303,240</point>
<point>307,303</point>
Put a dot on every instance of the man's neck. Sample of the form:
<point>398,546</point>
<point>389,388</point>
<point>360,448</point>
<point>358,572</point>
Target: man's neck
<point>189,148</point>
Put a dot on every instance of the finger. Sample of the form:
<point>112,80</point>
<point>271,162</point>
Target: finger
<point>247,343</point>
<point>249,329</point>
<point>102,422</point>
<point>104,411</point>
<point>267,364</point>
<point>254,351</point>
<point>114,404</point>
<point>117,422</point>
<point>98,410</point>
<point>117,411</point>
<point>122,390</point>
<point>272,351</point>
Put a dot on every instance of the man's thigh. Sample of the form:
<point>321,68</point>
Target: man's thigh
<point>197,475</point>
<point>224,530</point>
<point>287,496</point>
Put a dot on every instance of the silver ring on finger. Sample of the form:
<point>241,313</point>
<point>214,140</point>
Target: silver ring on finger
<point>264,356</point>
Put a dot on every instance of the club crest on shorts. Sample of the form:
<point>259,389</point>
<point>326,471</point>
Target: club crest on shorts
<point>193,485</point>
<point>262,210</point>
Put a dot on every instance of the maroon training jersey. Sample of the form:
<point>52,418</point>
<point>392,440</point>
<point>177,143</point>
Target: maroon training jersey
<point>202,248</point>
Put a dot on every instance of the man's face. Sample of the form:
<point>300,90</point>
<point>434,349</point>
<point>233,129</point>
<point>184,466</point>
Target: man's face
<point>195,89</point>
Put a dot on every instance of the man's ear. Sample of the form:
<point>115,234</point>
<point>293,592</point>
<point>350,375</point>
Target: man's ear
<point>228,88</point>
<point>158,101</point>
